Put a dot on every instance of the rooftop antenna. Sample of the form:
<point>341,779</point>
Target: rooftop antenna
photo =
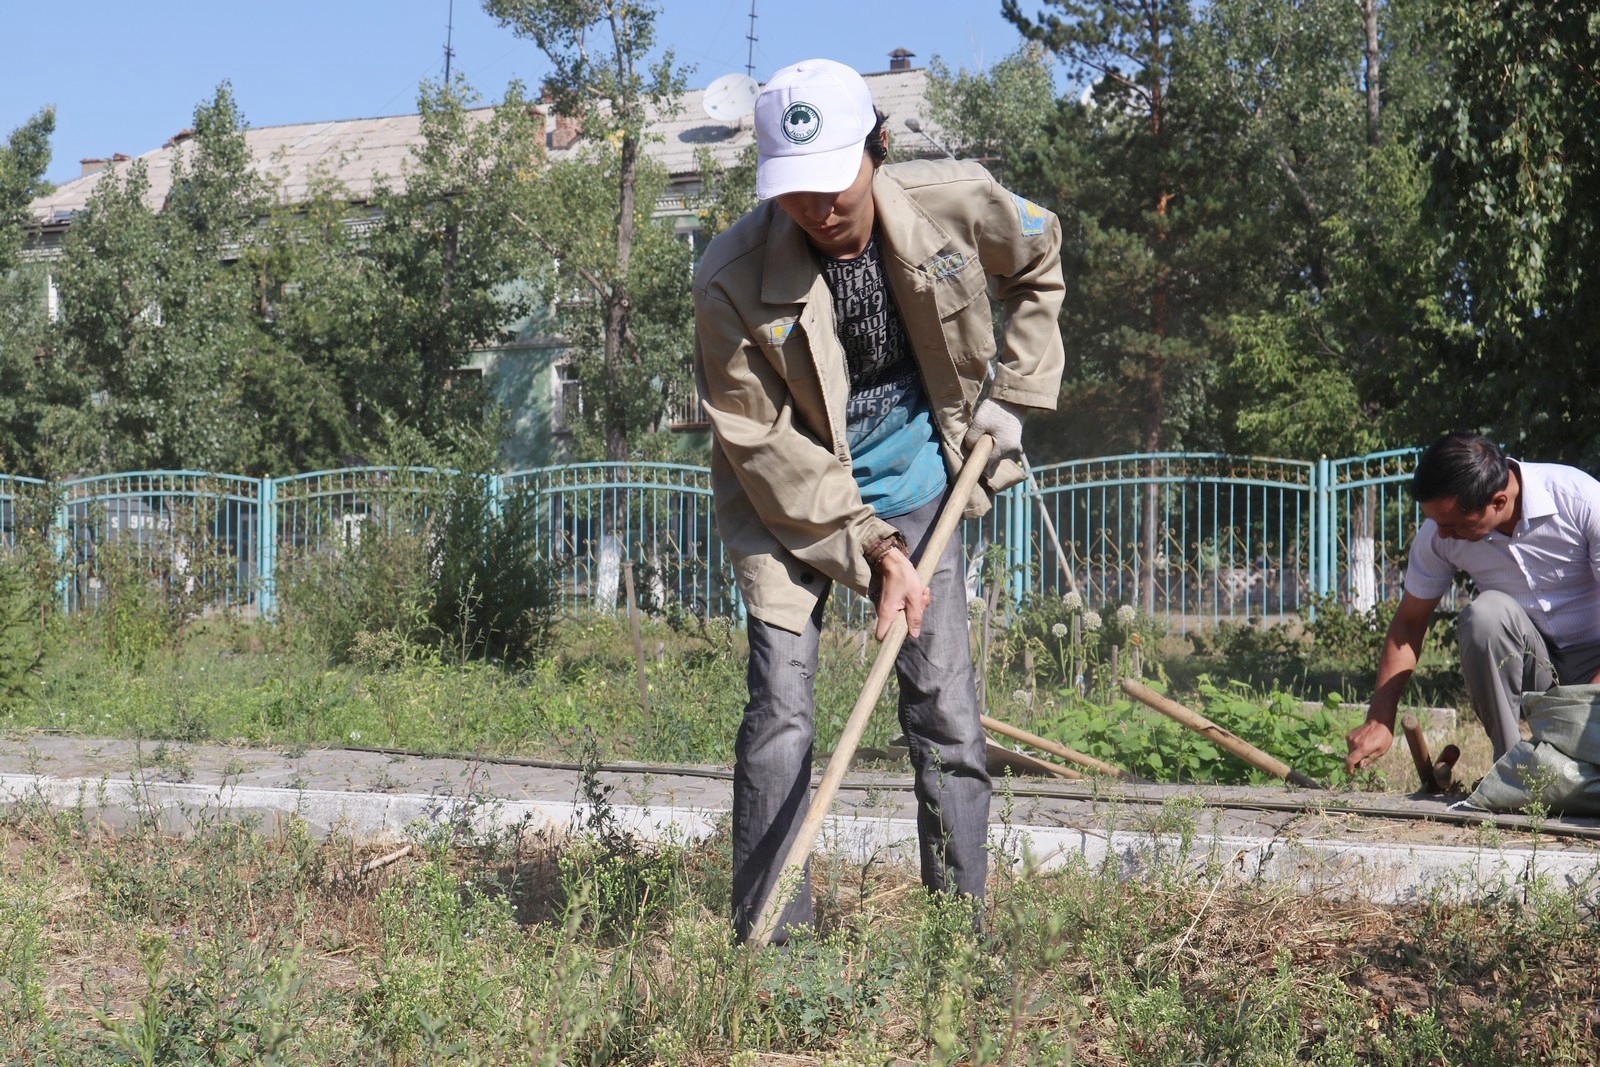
<point>750,56</point>
<point>449,33</point>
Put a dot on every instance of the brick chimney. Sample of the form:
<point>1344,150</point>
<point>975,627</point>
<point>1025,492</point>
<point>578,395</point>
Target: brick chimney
<point>95,166</point>
<point>900,59</point>
<point>566,133</point>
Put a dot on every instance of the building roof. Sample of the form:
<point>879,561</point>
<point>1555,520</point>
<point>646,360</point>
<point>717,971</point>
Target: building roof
<point>358,153</point>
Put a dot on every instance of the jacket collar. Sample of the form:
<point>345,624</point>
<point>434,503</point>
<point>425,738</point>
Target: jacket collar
<point>789,270</point>
<point>905,231</point>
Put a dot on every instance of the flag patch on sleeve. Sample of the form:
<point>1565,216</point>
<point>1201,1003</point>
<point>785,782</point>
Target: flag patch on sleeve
<point>1031,215</point>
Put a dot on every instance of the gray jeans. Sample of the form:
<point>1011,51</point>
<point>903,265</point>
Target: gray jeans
<point>1504,656</point>
<point>938,712</point>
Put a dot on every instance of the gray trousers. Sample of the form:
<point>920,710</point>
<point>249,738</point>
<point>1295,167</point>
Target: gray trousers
<point>1504,656</point>
<point>938,712</point>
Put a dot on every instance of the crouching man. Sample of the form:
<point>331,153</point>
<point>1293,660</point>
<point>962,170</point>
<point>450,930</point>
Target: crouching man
<point>1528,534</point>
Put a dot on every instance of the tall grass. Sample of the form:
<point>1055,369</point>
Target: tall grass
<point>234,946</point>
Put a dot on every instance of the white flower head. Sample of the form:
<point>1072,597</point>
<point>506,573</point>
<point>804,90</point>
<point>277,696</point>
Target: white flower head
<point>1072,601</point>
<point>1126,616</point>
<point>1091,621</point>
<point>355,735</point>
<point>1059,629</point>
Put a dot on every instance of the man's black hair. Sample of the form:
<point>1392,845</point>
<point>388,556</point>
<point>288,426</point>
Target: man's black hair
<point>876,149</point>
<point>1466,467</point>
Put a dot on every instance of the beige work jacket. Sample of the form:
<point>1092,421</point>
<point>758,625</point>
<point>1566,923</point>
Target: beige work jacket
<point>772,373</point>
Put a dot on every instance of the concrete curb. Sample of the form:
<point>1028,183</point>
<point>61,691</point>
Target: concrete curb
<point>1336,869</point>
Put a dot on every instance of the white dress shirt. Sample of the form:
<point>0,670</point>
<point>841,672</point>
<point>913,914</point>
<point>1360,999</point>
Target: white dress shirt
<point>1550,564</point>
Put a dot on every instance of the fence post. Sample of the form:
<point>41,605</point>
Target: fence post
<point>1322,539</point>
<point>495,486</point>
<point>64,554</point>
<point>266,547</point>
<point>1021,542</point>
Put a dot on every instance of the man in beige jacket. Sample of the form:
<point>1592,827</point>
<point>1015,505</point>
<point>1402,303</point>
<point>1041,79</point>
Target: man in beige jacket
<point>845,353</point>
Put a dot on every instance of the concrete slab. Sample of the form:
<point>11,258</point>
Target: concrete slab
<point>1304,842</point>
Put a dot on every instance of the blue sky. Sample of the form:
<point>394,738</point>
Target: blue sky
<point>124,76</point>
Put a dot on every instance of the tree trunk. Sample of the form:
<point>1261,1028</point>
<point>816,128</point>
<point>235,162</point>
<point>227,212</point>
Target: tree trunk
<point>1364,552</point>
<point>619,307</point>
<point>1369,23</point>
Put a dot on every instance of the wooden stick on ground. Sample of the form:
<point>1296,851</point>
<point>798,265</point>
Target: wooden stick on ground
<point>1224,739</point>
<point>1032,764</point>
<point>1055,749</point>
<point>1418,744</point>
<point>373,865</point>
<point>766,920</point>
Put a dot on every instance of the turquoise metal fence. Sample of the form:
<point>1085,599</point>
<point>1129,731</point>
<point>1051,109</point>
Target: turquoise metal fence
<point>658,516</point>
<point>1370,523</point>
<point>1194,537</point>
<point>1197,538</point>
<point>194,533</point>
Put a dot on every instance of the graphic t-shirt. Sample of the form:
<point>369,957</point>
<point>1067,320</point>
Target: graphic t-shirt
<point>894,453</point>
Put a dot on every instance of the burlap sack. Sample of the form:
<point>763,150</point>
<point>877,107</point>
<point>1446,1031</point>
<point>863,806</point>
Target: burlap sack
<point>1562,762</point>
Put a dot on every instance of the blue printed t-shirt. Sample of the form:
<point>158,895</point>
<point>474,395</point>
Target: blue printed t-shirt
<point>894,453</point>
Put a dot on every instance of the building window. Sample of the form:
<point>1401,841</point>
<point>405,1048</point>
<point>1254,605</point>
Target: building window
<point>566,398</point>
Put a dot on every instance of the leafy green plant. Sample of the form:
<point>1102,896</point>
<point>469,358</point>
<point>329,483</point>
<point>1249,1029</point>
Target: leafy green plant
<point>1251,651</point>
<point>447,565</point>
<point>372,583</point>
<point>493,595</point>
<point>21,650</point>
<point>1340,633</point>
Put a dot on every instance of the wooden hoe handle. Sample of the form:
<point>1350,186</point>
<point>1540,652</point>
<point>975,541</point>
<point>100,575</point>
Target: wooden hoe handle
<point>856,725</point>
<point>1224,739</point>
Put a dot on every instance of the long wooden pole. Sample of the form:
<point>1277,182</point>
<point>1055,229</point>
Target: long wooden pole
<point>1224,739</point>
<point>1044,744</point>
<point>1050,527</point>
<point>843,752</point>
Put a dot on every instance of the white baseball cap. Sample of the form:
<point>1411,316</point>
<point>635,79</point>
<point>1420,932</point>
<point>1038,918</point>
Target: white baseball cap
<point>812,121</point>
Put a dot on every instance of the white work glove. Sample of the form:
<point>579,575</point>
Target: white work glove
<point>999,420</point>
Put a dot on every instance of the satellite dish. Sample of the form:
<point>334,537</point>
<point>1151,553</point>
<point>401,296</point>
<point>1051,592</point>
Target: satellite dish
<point>730,98</point>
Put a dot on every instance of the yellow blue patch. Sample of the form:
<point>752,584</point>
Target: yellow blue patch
<point>1031,215</point>
<point>948,266</point>
<point>778,332</point>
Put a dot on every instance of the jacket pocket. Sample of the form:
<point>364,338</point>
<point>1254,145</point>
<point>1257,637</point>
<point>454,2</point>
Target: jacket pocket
<point>964,316</point>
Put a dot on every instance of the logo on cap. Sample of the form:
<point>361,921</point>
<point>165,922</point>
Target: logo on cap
<point>801,123</point>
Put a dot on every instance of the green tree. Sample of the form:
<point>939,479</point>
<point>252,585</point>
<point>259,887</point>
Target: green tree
<point>447,260</point>
<point>603,79</point>
<point>726,193</point>
<point>1351,310</point>
<point>154,313</point>
<point>1516,194</point>
<point>1000,117</point>
<point>37,395</point>
<point>1153,251</point>
<point>24,157</point>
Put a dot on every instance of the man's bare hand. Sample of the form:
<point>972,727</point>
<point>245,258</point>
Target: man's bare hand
<point>1367,742</point>
<point>900,589</point>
